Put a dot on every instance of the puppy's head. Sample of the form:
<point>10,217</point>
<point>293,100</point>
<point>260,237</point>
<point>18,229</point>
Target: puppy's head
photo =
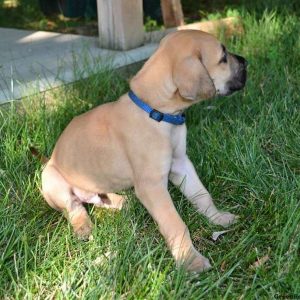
<point>190,65</point>
<point>203,67</point>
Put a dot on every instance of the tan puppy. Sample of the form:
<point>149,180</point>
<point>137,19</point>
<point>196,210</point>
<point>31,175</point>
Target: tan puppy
<point>116,145</point>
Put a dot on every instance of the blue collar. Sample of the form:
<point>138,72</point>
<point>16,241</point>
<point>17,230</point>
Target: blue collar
<point>155,114</point>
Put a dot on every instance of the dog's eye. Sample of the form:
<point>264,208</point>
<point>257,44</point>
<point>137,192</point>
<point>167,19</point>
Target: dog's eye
<point>224,57</point>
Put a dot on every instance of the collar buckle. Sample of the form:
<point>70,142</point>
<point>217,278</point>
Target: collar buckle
<point>156,115</point>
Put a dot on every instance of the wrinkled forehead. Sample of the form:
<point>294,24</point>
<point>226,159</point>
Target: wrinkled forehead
<point>192,42</point>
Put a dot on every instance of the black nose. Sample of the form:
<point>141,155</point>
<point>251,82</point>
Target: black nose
<point>241,60</point>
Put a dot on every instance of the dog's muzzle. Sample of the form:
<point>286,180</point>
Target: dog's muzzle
<point>239,79</point>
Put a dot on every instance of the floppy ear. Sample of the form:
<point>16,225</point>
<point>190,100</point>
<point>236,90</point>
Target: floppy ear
<point>192,79</point>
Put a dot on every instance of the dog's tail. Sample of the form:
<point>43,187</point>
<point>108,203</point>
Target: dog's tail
<point>43,159</point>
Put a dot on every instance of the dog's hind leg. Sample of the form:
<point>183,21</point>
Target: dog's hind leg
<point>59,195</point>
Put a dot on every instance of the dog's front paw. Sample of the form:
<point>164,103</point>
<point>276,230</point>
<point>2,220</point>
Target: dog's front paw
<point>195,262</point>
<point>223,218</point>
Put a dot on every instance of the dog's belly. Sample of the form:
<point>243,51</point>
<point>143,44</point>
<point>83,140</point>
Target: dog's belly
<point>87,197</point>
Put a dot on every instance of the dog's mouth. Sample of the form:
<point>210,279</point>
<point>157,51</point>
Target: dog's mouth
<point>237,82</point>
<point>233,85</point>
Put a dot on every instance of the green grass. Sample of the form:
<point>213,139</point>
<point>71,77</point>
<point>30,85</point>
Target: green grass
<point>246,149</point>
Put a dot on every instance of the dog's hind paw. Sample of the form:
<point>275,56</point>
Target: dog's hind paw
<point>84,232</point>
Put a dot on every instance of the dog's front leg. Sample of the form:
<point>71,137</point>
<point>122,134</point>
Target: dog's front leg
<point>183,174</point>
<point>157,200</point>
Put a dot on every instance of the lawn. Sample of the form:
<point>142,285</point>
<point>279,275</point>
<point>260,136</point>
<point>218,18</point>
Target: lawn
<point>246,149</point>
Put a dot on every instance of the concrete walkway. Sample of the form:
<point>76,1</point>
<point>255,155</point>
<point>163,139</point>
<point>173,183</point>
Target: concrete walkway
<point>32,61</point>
